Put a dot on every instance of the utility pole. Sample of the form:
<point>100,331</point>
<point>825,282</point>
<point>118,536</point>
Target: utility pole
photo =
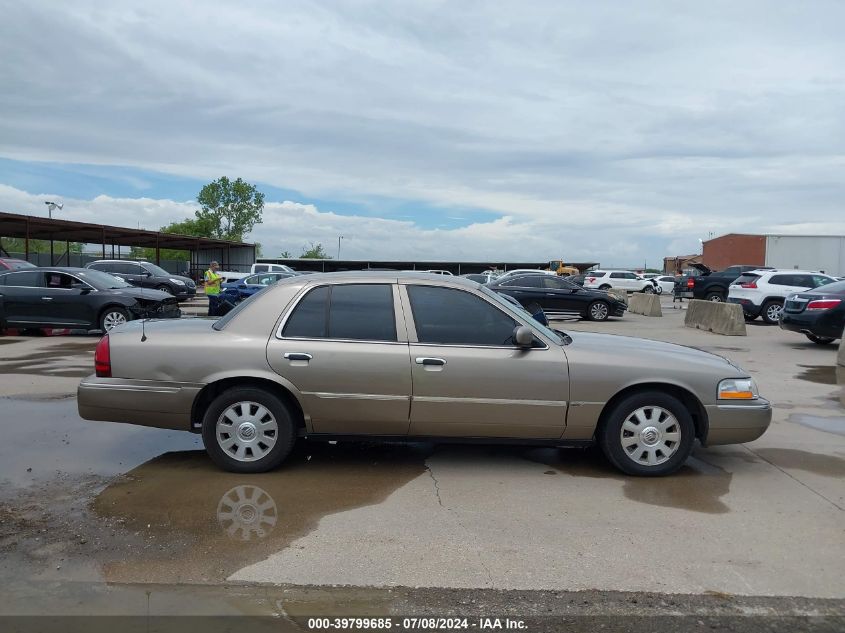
<point>339,237</point>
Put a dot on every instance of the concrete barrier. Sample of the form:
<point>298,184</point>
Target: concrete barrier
<point>618,293</point>
<point>840,358</point>
<point>647,305</point>
<point>716,317</point>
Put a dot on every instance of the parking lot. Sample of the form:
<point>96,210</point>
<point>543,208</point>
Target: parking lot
<point>100,509</point>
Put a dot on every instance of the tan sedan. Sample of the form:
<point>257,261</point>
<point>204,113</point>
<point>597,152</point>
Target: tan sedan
<point>413,356</point>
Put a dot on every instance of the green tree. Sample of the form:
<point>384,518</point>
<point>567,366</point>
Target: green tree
<point>18,245</point>
<point>285,255</point>
<point>229,208</point>
<point>315,251</point>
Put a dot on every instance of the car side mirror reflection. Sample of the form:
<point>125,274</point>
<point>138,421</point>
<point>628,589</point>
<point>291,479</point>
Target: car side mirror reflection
<point>523,336</point>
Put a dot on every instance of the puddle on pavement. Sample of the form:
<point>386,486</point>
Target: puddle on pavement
<point>47,436</point>
<point>821,374</point>
<point>835,424</point>
<point>68,360</point>
<point>697,486</point>
<point>229,520</point>
<point>816,463</point>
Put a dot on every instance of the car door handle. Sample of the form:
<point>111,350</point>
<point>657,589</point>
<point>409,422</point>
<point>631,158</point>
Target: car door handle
<point>298,356</point>
<point>433,362</point>
<point>550,294</point>
<point>46,298</point>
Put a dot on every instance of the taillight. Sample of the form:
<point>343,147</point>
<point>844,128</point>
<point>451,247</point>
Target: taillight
<point>823,304</point>
<point>102,358</point>
<point>690,282</point>
<point>748,284</point>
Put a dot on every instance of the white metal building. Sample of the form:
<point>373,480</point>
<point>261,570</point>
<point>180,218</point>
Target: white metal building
<point>807,252</point>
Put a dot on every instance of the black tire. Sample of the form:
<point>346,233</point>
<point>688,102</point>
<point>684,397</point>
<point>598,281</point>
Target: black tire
<point>716,297</point>
<point>610,435</point>
<point>285,433</point>
<point>111,318</point>
<point>649,289</point>
<point>771,311</point>
<point>596,313</point>
<point>748,318</point>
<point>165,288</point>
<point>820,340</point>
<point>605,287</point>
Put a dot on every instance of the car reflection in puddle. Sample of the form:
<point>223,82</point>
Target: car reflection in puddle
<point>185,520</point>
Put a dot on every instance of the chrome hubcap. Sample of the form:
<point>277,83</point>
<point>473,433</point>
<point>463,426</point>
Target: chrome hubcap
<point>112,320</point>
<point>650,436</point>
<point>247,431</point>
<point>246,513</point>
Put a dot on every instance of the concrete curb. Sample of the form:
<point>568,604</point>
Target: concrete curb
<point>716,317</point>
<point>645,304</point>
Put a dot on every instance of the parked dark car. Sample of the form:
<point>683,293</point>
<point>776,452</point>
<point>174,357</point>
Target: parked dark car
<point>147,275</point>
<point>537,314</point>
<point>235,291</point>
<point>559,297</point>
<point>709,285</point>
<point>9,263</point>
<point>77,298</point>
<point>818,314</point>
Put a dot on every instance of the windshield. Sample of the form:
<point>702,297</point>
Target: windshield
<point>521,312</point>
<point>101,280</point>
<point>158,271</point>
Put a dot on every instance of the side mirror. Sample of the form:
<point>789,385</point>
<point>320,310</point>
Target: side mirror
<point>523,336</point>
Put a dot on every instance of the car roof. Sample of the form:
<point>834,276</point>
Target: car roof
<point>61,269</point>
<point>122,261</point>
<point>778,271</point>
<point>377,276</point>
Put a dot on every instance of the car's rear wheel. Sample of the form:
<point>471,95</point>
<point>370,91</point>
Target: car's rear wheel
<point>112,317</point>
<point>647,434</point>
<point>715,297</point>
<point>248,430</point>
<point>604,287</point>
<point>771,311</point>
<point>598,311</point>
<point>820,340</point>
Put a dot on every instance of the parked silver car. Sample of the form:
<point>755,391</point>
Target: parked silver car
<point>410,356</point>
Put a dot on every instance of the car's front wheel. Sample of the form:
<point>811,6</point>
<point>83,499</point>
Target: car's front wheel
<point>112,317</point>
<point>649,289</point>
<point>647,434</point>
<point>598,311</point>
<point>820,340</point>
<point>164,288</point>
<point>248,430</point>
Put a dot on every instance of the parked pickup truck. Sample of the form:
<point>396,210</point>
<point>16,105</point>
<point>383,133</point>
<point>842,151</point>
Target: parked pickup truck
<point>709,285</point>
<point>231,275</point>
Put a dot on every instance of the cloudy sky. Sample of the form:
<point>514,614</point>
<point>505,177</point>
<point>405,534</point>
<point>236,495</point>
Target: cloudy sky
<point>471,130</point>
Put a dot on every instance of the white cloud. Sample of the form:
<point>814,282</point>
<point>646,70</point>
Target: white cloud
<point>588,129</point>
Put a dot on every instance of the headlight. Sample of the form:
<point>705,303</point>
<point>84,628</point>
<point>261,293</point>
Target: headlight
<point>178,282</point>
<point>738,389</point>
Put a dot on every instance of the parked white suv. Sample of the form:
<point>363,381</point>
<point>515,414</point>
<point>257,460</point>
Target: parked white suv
<point>762,292</point>
<point>622,279</point>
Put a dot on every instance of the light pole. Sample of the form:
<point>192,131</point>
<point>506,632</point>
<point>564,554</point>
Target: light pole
<point>52,206</point>
<point>339,237</point>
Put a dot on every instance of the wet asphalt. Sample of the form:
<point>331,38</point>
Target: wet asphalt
<point>88,504</point>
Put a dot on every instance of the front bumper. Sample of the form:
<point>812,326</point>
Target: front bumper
<point>163,405</point>
<point>737,423</point>
<point>186,294</point>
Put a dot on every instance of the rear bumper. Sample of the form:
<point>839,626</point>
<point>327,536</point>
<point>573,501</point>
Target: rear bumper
<point>164,405</point>
<point>737,423</point>
<point>749,308</point>
<point>818,323</point>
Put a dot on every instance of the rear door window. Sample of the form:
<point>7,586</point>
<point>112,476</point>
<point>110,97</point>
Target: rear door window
<point>361,312</point>
<point>25,279</point>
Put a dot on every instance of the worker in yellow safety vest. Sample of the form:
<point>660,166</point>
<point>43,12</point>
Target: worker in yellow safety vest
<point>212,288</point>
